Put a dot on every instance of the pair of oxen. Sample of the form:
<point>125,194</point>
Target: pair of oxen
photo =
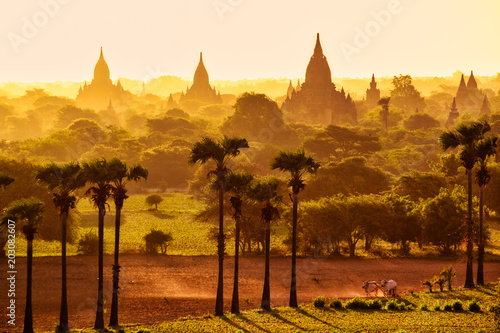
<point>388,287</point>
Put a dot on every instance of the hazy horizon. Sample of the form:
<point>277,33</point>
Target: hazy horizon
<point>56,40</point>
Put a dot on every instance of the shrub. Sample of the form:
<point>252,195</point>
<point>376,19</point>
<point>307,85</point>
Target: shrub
<point>375,304</point>
<point>495,310</point>
<point>429,284</point>
<point>319,302</point>
<point>437,307</point>
<point>440,281</point>
<point>392,305</point>
<point>356,303</point>
<point>447,307</point>
<point>448,274</point>
<point>157,239</point>
<point>335,303</point>
<point>473,305</point>
<point>424,307</point>
<point>457,306</point>
<point>88,243</point>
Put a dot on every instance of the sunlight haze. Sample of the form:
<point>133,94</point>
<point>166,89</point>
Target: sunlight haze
<point>246,39</point>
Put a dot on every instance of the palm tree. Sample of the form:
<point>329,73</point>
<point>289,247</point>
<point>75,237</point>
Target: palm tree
<point>63,180</point>
<point>384,113</point>
<point>467,136</point>
<point>121,175</point>
<point>297,163</point>
<point>5,180</point>
<point>30,212</point>
<point>265,191</point>
<point>98,174</point>
<point>237,184</point>
<point>485,149</point>
<point>220,152</point>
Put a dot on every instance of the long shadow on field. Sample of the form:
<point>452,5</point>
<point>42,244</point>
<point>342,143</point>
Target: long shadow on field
<point>286,321</point>
<point>249,322</point>
<point>307,314</point>
<point>232,323</point>
<point>160,215</point>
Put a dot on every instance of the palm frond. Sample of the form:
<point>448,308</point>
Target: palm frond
<point>137,172</point>
<point>264,189</point>
<point>27,209</point>
<point>238,182</point>
<point>218,151</point>
<point>5,180</point>
<point>294,162</point>
<point>486,148</point>
<point>470,132</point>
<point>65,177</point>
<point>448,140</point>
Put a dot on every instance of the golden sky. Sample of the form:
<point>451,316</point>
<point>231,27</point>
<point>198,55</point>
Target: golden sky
<point>60,40</point>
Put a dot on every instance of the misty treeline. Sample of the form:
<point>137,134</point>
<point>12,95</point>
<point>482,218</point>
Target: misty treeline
<point>397,173</point>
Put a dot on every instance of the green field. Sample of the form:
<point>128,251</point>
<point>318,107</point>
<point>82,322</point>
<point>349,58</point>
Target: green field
<point>414,318</point>
<point>177,214</point>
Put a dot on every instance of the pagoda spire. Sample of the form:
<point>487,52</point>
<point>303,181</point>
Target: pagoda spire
<point>201,74</point>
<point>462,83</point>
<point>318,50</point>
<point>289,91</point>
<point>471,83</point>
<point>452,115</point>
<point>485,108</point>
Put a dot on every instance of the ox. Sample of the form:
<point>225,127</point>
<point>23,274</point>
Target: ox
<point>370,286</point>
<point>388,287</point>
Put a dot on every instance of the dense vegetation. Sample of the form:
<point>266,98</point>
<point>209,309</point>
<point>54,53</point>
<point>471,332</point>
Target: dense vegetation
<point>396,177</point>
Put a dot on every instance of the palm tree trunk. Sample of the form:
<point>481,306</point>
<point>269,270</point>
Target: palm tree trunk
<point>63,318</point>
<point>293,286</point>
<point>219,302</point>
<point>113,320</point>
<point>235,304</point>
<point>266,294</point>
<point>469,274</point>
<point>99,318</point>
<point>28,314</point>
<point>480,254</point>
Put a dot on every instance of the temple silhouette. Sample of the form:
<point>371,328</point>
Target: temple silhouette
<point>372,94</point>
<point>101,92</point>
<point>201,89</point>
<point>468,95</point>
<point>453,115</point>
<point>317,100</point>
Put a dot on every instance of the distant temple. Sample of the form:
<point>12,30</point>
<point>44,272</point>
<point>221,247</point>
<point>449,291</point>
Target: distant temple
<point>201,89</point>
<point>485,108</point>
<point>450,122</point>
<point>372,94</point>
<point>101,92</point>
<point>317,100</point>
<point>468,95</point>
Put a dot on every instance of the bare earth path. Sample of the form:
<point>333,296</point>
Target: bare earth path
<point>162,288</point>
